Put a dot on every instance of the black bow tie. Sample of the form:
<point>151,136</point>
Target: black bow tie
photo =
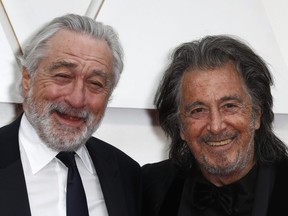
<point>206,195</point>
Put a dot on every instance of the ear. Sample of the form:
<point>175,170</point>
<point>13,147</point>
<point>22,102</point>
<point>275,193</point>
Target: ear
<point>181,128</point>
<point>182,134</point>
<point>26,80</point>
<point>258,116</point>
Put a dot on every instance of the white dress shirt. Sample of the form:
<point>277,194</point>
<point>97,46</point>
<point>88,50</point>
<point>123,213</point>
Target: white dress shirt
<point>46,176</point>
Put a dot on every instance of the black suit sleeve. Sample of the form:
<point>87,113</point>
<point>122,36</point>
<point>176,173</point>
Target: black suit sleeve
<point>162,188</point>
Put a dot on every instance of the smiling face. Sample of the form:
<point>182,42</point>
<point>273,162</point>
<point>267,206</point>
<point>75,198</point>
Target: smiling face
<point>67,97</point>
<point>218,122</point>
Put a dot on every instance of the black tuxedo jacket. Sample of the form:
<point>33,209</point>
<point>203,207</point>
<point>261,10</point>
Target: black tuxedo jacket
<point>163,184</point>
<point>118,174</point>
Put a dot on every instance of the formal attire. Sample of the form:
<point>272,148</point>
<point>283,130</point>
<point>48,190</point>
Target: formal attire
<point>202,198</point>
<point>168,190</point>
<point>111,179</point>
<point>46,176</point>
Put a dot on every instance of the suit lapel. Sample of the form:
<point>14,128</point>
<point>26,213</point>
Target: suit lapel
<point>110,179</point>
<point>272,180</point>
<point>171,203</point>
<point>13,195</point>
<point>264,187</point>
<point>278,202</point>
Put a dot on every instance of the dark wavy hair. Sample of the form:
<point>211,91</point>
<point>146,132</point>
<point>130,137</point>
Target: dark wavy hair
<point>208,53</point>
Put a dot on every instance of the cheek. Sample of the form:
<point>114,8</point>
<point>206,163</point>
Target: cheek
<point>195,148</point>
<point>190,135</point>
<point>192,129</point>
<point>45,89</point>
<point>46,94</point>
<point>245,125</point>
<point>97,104</point>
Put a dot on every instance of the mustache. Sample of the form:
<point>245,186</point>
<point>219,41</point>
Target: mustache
<point>65,109</point>
<point>217,137</point>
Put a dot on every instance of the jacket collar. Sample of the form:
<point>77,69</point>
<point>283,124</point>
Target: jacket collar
<point>108,171</point>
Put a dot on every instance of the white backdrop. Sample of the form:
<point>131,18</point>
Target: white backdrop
<point>150,29</point>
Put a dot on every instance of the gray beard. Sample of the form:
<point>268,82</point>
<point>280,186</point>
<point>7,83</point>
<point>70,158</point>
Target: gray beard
<point>55,136</point>
<point>242,159</point>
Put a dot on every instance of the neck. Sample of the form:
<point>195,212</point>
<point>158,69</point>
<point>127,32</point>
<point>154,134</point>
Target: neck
<point>227,178</point>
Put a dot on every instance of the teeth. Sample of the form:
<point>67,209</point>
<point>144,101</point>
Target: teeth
<point>71,117</point>
<point>220,143</point>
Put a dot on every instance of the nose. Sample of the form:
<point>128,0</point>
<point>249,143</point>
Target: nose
<point>216,123</point>
<point>76,95</point>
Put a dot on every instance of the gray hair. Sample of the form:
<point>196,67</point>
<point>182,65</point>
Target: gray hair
<point>34,50</point>
<point>208,53</point>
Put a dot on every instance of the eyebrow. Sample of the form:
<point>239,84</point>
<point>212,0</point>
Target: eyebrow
<point>63,63</point>
<point>103,74</point>
<point>232,97</point>
<point>223,99</point>
<point>100,73</point>
<point>192,104</point>
<point>67,64</point>
<point>60,64</point>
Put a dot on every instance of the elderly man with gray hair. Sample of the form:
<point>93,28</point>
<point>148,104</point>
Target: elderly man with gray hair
<point>50,163</point>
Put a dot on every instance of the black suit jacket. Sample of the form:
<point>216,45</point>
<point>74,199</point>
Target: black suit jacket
<point>118,174</point>
<point>163,184</point>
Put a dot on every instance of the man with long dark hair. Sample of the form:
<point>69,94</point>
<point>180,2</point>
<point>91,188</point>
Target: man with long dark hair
<point>215,104</point>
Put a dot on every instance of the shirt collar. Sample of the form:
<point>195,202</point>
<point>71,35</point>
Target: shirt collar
<point>86,159</point>
<point>39,154</point>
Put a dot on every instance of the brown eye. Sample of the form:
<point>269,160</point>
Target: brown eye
<point>96,86</point>
<point>199,113</point>
<point>230,108</point>
<point>229,105</point>
<point>62,77</point>
<point>198,110</point>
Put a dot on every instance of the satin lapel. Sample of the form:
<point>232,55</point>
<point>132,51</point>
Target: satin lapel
<point>264,186</point>
<point>110,179</point>
<point>13,192</point>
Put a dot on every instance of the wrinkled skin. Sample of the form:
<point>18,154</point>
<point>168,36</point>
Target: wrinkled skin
<point>218,122</point>
<point>66,97</point>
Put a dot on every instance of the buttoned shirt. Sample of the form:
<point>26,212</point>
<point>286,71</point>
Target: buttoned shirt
<point>46,176</point>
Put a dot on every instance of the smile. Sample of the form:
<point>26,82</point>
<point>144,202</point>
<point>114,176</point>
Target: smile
<point>219,143</point>
<point>70,120</point>
<point>70,117</point>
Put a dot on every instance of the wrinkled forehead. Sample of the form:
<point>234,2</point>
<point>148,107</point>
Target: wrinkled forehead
<point>208,81</point>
